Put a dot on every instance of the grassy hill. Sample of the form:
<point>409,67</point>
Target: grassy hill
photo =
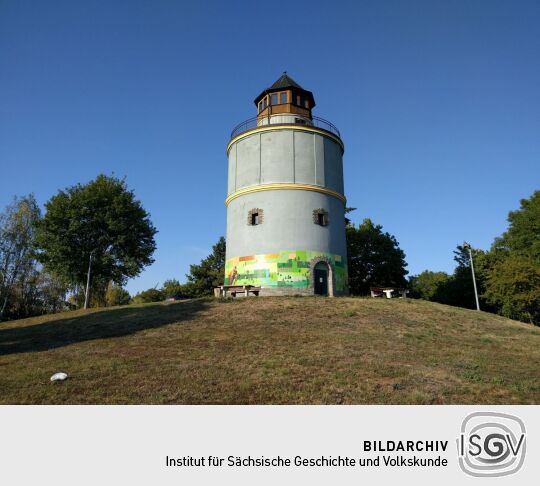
<point>272,350</point>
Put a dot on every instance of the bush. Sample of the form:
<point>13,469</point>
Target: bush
<point>150,295</point>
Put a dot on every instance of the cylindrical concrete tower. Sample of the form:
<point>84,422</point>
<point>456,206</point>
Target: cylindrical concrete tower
<point>285,202</point>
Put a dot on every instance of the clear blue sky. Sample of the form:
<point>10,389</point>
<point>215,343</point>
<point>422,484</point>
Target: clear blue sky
<point>438,103</point>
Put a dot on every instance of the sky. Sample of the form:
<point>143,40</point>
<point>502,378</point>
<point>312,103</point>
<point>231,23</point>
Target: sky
<point>438,104</point>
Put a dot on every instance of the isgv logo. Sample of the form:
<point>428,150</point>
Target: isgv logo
<point>491,444</point>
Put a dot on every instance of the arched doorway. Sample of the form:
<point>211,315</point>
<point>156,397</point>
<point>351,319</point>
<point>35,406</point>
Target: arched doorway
<point>322,276</point>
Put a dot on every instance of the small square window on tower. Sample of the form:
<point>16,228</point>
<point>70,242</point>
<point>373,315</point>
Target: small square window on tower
<point>255,217</point>
<point>320,217</point>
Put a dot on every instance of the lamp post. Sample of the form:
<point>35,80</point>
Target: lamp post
<point>467,246</point>
<point>87,293</point>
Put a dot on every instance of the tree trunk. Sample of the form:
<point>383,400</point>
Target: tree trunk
<point>3,308</point>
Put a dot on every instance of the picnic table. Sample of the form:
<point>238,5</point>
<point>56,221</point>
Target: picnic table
<point>387,291</point>
<point>233,290</point>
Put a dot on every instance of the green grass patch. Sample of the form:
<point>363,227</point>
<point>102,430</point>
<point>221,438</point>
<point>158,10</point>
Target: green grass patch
<point>271,351</point>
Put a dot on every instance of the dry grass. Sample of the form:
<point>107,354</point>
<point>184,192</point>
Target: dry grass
<point>272,350</point>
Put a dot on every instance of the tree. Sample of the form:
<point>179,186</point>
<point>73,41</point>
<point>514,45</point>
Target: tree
<point>374,258</point>
<point>39,293</point>
<point>96,233</point>
<point>425,285</point>
<point>513,285</point>
<point>147,296</point>
<point>523,235</point>
<point>173,288</point>
<point>52,293</point>
<point>458,290</point>
<point>209,273</point>
<point>17,238</point>
<point>348,210</point>
<point>513,269</point>
<point>116,295</point>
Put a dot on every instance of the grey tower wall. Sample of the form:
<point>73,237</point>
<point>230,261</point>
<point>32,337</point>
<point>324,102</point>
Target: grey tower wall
<point>285,155</point>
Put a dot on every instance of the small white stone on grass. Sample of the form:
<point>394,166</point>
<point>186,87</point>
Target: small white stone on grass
<point>59,376</point>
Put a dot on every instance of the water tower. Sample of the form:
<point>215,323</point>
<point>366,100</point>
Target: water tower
<point>285,201</point>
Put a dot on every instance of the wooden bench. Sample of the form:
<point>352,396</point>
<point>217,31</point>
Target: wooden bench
<point>379,291</point>
<point>224,291</point>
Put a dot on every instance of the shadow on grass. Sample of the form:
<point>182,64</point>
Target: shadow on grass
<point>96,325</point>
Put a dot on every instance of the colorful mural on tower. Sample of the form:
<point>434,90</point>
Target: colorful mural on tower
<point>283,269</point>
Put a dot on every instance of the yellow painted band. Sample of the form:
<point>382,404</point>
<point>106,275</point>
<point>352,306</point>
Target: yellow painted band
<point>269,128</point>
<point>284,186</point>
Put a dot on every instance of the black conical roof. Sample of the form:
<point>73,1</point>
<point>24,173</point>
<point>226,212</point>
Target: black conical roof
<point>286,82</point>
